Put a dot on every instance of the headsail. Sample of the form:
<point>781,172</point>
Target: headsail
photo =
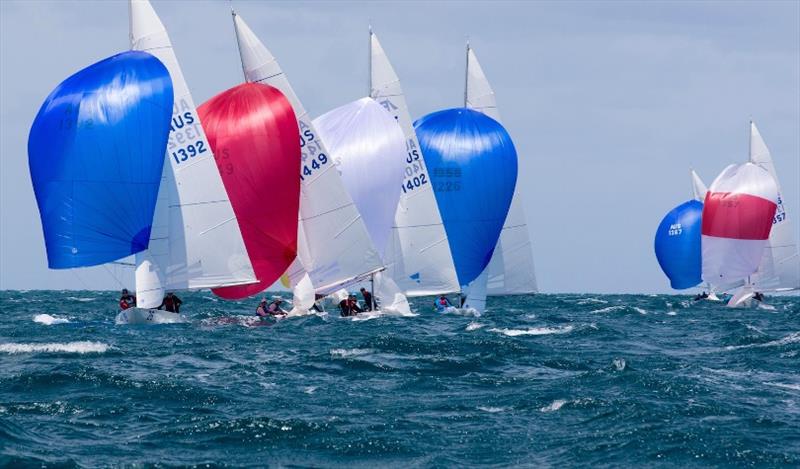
<point>369,150</point>
<point>96,153</point>
<point>511,270</point>
<point>195,241</point>
<point>333,243</point>
<point>473,166</point>
<point>418,256</point>
<point>780,266</point>
<point>737,218</point>
<point>253,131</point>
<point>699,189</point>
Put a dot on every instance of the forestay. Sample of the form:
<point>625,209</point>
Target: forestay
<point>96,153</point>
<point>418,256</point>
<point>195,241</point>
<point>334,247</point>
<point>780,266</point>
<point>737,217</point>
<point>511,270</point>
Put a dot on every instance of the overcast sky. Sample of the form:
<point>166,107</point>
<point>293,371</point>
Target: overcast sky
<point>608,103</point>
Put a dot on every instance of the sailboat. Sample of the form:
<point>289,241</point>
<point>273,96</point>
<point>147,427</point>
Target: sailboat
<point>96,155</point>
<point>511,270</point>
<point>334,246</point>
<point>195,241</point>
<point>473,167</point>
<point>369,149</point>
<point>780,266</point>
<point>418,255</point>
<point>737,218</point>
<point>253,130</point>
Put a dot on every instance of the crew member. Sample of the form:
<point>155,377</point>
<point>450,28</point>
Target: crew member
<point>171,303</point>
<point>261,309</point>
<point>442,303</point>
<point>274,308</point>
<point>369,304</point>
<point>349,306</point>
<point>126,300</point>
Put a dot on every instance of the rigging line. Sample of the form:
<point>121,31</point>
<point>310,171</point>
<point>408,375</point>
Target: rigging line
<point>113,276</point>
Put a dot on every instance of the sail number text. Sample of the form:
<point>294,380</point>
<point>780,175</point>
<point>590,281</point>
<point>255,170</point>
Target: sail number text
<point>313,157</point>
<point>186,139</point>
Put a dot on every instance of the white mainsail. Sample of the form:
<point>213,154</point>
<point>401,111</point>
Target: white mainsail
<point>195,241</point>
<point>511,269</point>
<point>334,247</point>
<point>780,266</point>
<point>418,256</point>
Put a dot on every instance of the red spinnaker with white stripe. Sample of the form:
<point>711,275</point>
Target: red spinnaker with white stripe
<point>737,218</point>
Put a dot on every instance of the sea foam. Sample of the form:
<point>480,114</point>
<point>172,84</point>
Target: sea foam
<point>55,347</point>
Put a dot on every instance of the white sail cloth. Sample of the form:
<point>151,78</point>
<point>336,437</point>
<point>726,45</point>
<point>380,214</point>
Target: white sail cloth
<point>418,255</point>
<point>369,149</point>
<point>195,240</point>
<point>334,247</point>
<point>699,188</point>
<point>511,270</point>
<point>737,216</point>
<point>780,265</point>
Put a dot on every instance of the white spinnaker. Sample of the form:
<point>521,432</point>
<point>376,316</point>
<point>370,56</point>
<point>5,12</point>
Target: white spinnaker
<point>334,247</point>
<point>735,256</point>
<point>511,269</point>
<point>699,188</point>
<point>195,242</point>
<point>780,266</point>
<point>418,256</point>
<point>369,149</point>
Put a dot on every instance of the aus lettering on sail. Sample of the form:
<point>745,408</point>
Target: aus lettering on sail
<point>313,158</point>
<point>186,140</point>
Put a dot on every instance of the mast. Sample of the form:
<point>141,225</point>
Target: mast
<point>466,74</point>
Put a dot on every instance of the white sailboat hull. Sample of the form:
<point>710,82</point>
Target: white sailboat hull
<point>148,316</point>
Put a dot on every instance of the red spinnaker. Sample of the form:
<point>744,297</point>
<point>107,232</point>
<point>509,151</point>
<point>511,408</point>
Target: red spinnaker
<point>253,131</point>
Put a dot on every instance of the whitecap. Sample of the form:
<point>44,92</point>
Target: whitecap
<point>474,326</point>
<point>55,347</point>
<point>492,410</point>
<point>587,301</point>
<point>75,298</point>
<point>309,389</point>
<point>639,310</point>
<point>792,338</point>
<point>608,309</point>
<point>793,387</point>
<point>533,331</point>
<point>619,364</point>
<point>671,313</point>
<point>754,328</point>
<point>347,353</point>
<point>48,320</point>
<point>554,406</point>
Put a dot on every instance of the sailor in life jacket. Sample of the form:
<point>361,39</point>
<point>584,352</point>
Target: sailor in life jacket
<point>442,303</point>
<point>171,303</point>
<point>126,300</point>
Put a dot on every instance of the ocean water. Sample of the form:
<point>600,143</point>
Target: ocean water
<point>545,380</point>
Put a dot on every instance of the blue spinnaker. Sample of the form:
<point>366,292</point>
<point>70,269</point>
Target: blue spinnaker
<point>96,151</point>
<point>473,168</point>
<point>677,245</point>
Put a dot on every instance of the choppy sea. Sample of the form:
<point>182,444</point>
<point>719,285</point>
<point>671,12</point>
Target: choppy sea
<point>545,380</point>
